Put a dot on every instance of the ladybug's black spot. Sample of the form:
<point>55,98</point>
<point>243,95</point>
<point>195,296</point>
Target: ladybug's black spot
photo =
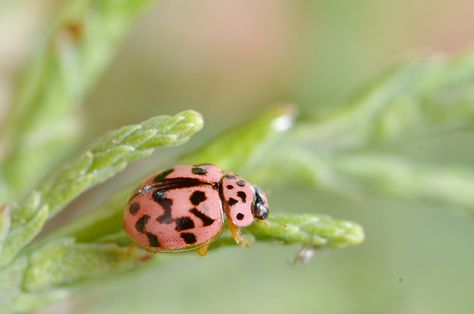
<point>184,223</point>
<point>240,216</point>
<point>189,238</point>
<point>152,239</point>
<point>162,175</point>
<point>242,196</point>
<point>206,220</point>
<point>197,197</point>
<point>231,177</point>
<point>241,183</point>
<point>160,197</point>
<point>141,223</point>
<point>199,171</point>
<point>232,201</point>
<point>230,187</point>
<point>134,208</point>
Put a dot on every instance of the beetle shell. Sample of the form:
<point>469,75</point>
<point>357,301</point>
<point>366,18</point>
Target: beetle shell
<point>183,208</point>
<point>164,217</point>
<point>176,219</point>
<point>205,173</point>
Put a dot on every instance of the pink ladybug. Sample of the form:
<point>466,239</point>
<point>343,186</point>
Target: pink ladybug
<point>183,208</point>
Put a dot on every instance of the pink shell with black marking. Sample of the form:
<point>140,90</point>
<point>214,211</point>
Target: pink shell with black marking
<point>238,198</point>
<point>183,208</point>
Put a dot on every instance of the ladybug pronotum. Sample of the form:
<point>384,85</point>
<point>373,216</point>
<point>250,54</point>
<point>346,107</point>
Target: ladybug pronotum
<point>183,208</point>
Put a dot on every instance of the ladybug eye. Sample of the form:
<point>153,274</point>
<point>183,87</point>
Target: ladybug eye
<point>259,210</point>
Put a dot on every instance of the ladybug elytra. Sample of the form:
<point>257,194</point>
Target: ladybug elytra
<point>184,208</point>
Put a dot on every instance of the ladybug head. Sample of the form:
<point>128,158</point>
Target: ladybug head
<point>260,208</point>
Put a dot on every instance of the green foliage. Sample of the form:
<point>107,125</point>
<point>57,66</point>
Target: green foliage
<point>44,126</point>
<point>417,99</point>
<point>103,160</point>
<point>246,145</point>
<point>4,223</point>
<point>97,242</point>
<point>350,151</point>
<point>451,185</point>
<point>318,231</point>
<point>347,152</point>
<point>57,269</point>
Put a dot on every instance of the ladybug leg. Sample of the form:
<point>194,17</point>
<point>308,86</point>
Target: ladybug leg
<point>203,250</point>
<point>129,252</point>
<point>235,231</point>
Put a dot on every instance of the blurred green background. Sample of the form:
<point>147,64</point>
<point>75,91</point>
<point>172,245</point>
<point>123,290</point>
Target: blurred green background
<point>230,60</point>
